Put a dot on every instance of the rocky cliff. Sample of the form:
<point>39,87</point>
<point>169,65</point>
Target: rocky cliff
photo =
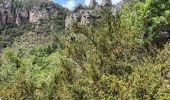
<point>17,12</point>
<point>40,17</point>
<point>88,15</point>
<point>13,12</point>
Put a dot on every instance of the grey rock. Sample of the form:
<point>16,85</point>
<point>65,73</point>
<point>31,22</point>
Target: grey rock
<point>79,7</point>
<point>22,16</point>
<point>9,13</point>
<point>6,12</point>
<point>92,4</point>
<point>106,3</point>
<point>1,98</point>
<point>70,19</point>
<point>18,20</point>
<point>84,17</point>
<point>87,18</point>
<point>36,15</point>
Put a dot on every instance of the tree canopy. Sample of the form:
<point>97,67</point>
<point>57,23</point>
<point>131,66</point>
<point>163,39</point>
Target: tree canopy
<point>122,57</point>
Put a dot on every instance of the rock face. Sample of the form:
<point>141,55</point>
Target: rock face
<point>70,19</point>
<point>11,14</point>
<point>87,18</point>
<point>6,12</point>
<point>36,14</point>
<point>106,3</point>
<point>86,15</point>
<point>93,3</point>
<point>22,16</point>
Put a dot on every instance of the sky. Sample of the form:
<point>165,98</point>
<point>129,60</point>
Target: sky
<point>70,4</point>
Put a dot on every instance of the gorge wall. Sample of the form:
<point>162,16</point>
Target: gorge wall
<point>87,15</point>
<point>12,13</point>
<point>15,12</point>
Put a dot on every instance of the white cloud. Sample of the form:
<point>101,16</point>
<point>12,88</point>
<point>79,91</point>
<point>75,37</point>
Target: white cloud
<point>115,1</point>
<point>70,4</point>
<point>87,2</point>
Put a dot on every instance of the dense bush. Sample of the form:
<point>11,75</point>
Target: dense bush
<point>112,60</point>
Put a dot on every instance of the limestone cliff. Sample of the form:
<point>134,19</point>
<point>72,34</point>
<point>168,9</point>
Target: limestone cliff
<point>15,12</point>
<point>18,12</point>
<point>88,15</point>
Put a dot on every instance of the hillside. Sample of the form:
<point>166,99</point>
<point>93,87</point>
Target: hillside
<point>18,18</point>
<point>95,52</point>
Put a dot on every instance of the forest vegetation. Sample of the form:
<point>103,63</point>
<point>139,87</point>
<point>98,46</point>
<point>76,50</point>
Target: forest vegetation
<point>121,57</point>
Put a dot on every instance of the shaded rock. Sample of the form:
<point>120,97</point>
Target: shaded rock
<point>92,4</point>
<point>7,12</point>
<point>87,18</point>
<point>70,19</point>
<point>79,6</point>
<point>18,20</point>
<point>106,3</point>
<point>37,14</point>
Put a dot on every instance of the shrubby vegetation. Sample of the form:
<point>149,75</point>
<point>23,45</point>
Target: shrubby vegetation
<point>123,57</point>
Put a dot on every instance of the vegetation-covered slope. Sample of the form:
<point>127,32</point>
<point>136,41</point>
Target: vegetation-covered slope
<point>123,57</point>
<point>42,28</point>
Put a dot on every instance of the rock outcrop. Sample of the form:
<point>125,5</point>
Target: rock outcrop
<point>88,18</point>
<point>106,3</point>
<point>22,16</point>
<point>88,15</point>
<point>10,13</point>
<point>92,4</point>
<point>37,13</point>
<point>7,12</point>
<point>84,17</point>
<point>69,20</point>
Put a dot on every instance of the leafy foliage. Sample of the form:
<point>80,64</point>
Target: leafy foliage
<point>112,60</point>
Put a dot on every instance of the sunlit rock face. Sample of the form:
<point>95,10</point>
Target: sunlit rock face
<point>84,15</point>
<point>88,15</point>
<point>37,13</point>
<point>10,13</point>
<point>70,19</point>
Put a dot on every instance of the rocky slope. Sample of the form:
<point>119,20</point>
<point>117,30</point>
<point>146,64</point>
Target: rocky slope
<point>45,17</point>
<point>19,17</point>
<point>16,12</point>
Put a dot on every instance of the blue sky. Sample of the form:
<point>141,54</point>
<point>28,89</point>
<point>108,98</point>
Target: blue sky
<point>71,3</point>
